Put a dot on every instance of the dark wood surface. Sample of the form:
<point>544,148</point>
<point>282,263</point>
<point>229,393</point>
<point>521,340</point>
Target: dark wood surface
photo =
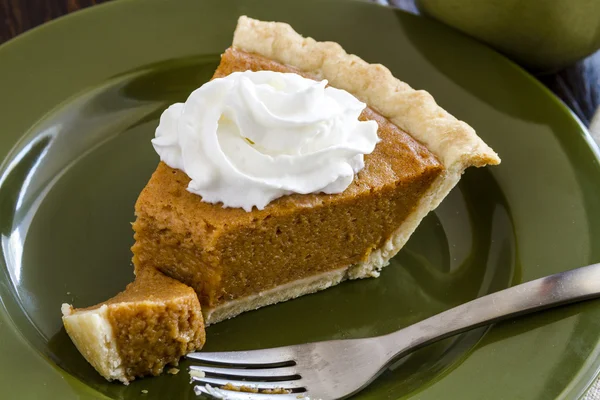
<point>578,85</point>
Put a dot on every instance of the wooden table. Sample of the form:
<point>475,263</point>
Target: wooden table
<point>578,86</point>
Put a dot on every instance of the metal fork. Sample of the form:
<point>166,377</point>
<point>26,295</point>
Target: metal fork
<point>339,368</point>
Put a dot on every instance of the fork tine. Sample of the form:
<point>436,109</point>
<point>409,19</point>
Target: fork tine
<point>231,395</point>
<point>286,385</point>
<point>283,356</point>
<point>255,374</point>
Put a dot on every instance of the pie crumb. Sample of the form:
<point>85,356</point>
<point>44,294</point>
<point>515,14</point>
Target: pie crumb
<point>173,371</point>
<point>246,389</point>
<point>276,391</point>
<point>144,391</point>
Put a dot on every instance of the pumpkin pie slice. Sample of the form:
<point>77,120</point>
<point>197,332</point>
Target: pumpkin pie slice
<point>238,261</point>
<point>150,325</point>
<point>193,257</point>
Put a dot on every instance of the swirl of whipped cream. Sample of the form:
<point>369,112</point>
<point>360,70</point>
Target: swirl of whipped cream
<point>251,137</point>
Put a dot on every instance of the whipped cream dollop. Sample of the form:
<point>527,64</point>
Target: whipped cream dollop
<point>251,137</point>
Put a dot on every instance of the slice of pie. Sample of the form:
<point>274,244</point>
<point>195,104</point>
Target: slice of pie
<point>301,243</point>
<point>195,257</point>
<point>153,323</point>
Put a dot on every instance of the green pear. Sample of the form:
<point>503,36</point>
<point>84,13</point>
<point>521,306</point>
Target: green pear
<point>542,35</point>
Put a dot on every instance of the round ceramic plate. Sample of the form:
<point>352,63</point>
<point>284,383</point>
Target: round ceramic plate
<point>80,99</point>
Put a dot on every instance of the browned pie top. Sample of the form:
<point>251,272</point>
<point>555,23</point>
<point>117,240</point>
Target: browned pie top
<point>396,158</point>
<point>150,286</point>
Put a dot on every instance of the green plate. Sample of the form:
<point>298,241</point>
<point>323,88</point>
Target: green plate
<point>80,98</point>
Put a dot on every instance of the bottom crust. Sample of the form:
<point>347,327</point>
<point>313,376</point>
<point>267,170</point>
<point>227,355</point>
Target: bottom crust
<point>93,335</point>
<point>371,267</point>
<point>278,294</point>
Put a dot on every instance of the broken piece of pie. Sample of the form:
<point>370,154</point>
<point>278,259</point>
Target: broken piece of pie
<point>296,167</point>
<point>153,323</point>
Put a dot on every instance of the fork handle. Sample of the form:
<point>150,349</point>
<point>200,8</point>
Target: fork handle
<point>554,290</point>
